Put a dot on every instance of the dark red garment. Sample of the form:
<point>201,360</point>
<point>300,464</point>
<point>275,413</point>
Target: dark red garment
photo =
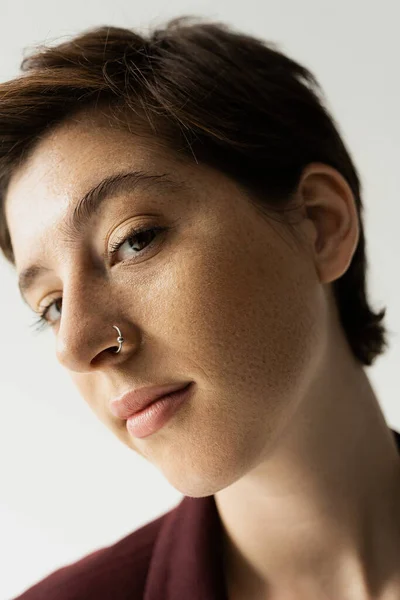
<point>178,556</point>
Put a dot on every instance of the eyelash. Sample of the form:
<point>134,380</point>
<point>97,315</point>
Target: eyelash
<point>42,323</point>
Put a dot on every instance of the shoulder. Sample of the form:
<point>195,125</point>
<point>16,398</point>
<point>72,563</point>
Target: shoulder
<point>105,573</point>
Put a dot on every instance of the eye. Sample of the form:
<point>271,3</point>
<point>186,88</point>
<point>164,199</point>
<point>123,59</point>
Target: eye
<point>136,237</point>
<point>44,321</point>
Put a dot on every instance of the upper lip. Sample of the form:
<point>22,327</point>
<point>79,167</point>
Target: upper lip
<point>134,400</point>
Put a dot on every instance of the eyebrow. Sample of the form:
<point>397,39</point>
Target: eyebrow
<point>89,205</point>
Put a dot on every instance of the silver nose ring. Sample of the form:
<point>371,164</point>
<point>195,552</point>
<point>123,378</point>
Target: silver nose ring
<point>120,339</point>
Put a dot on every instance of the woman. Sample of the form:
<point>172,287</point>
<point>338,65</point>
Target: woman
<point>182,212</point>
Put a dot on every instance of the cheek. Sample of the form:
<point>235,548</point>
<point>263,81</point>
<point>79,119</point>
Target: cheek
<point>246,322</point>
<point>245,327</point>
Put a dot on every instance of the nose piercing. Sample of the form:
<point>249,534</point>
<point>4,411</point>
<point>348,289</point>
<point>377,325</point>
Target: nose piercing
<point>120,339</point>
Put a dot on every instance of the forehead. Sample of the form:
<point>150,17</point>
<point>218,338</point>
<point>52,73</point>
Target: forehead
<point>66,163</point>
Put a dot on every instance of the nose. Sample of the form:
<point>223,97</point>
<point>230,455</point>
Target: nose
<point>86,338</point>
<point>90,330</point>
<point>91,345</point>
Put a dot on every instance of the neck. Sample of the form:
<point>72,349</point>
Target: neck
<point>320,512</point>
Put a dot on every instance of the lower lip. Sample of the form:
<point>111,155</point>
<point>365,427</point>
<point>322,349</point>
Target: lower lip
<point>151,419</point>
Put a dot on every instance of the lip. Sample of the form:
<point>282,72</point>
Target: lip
<point>135,400</point>
<point>158,413</point>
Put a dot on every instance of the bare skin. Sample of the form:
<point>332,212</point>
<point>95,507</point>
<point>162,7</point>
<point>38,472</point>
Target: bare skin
<point>284,427</point>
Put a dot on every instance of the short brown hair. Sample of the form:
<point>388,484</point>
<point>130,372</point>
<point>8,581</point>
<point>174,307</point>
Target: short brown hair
<point>219,96</point>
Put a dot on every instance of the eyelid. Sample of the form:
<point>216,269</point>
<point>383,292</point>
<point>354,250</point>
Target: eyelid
<point>45,305</point>
<point>160,229</point>
<point>133,232</point>
<point>146,221</point>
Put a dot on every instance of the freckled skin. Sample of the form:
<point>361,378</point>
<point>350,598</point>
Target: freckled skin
<point>231,300</point>
<point>218,304</point>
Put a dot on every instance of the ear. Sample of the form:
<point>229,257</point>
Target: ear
<point>330,219</point>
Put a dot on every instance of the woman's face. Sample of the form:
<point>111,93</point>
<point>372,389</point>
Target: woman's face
<point>222,297</point>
